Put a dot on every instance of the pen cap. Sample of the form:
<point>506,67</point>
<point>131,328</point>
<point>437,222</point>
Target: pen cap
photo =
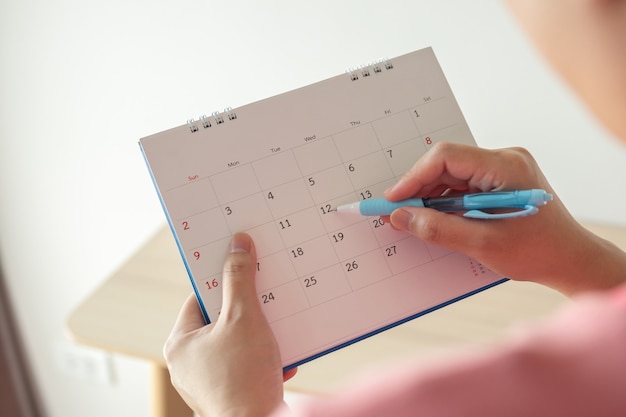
<point>538,197</point>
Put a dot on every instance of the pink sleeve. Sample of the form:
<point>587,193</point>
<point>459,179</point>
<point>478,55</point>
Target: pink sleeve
<point>572,365</point>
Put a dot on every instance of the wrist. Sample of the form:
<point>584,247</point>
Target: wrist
<point>592,263</point>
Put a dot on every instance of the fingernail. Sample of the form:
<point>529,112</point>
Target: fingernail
<point>391,188</point>
<point>239,243</point>
<point>401,219</point>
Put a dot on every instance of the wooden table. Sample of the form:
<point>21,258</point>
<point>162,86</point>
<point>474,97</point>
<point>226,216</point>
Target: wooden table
<point>133,311</point>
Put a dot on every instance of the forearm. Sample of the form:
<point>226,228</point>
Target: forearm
<point>570,366</point>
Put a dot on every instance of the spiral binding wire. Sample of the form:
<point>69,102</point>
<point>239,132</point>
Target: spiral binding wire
<point>216,118</point>
<point>364,71</point>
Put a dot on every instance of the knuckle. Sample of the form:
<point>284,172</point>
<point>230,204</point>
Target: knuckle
<point>520,159</point>
<point>237,263</point>
<point>440,149</point>
<point>170,348</point>
<point>427,229</point>
<point>521,168</point>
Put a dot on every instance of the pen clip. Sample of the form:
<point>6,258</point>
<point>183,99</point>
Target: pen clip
<point>478,214</point>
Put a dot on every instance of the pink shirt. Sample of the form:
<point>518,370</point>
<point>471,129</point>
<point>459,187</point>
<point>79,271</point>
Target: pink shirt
<point>571,365</point>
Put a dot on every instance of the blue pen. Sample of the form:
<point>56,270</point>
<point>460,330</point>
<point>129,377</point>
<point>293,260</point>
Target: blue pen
<point>526,201</point>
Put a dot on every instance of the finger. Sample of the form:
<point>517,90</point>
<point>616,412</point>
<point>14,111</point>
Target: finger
<point>446,166</point>
<point>189,318</point>
<point>239,289</point>
<point>443,229</point>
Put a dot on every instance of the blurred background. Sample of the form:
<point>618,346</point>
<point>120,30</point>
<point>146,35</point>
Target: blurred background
<point>82,81</point>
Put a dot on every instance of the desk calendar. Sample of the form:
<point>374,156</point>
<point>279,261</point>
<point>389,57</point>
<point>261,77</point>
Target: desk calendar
<point>277,168</point>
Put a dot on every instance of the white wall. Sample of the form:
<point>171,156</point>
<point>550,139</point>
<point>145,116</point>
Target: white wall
<point>82,81</point>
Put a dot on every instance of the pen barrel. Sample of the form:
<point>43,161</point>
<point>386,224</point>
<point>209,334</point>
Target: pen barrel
<point>382,207</point>
<point>445,203</point>
<point>458,203</point>
<point>506,199</point>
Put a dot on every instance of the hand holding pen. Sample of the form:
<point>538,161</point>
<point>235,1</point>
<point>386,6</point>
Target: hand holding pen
<point>523,203</point>
<point>524,248</point>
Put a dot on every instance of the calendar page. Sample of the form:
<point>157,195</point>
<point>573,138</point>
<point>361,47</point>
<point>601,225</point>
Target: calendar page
<point>278,168</point>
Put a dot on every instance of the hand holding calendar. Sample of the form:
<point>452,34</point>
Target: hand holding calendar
<point>246,373</point>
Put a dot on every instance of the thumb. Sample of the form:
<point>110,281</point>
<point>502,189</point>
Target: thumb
<point>238,278</point>
<point>442,229</point>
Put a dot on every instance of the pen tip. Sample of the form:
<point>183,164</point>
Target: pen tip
<point>354,207</point>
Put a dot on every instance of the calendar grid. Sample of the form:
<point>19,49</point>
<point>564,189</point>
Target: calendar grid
<point>345,164</point>
<point>324,276</point>
<point>407,109</point>
<point>353,192</point>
